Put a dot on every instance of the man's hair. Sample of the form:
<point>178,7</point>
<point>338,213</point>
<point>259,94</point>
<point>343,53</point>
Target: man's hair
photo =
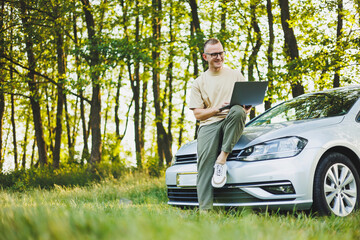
<point>211,41</point>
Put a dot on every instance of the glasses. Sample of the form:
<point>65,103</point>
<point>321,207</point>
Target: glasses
<point>214,55</point>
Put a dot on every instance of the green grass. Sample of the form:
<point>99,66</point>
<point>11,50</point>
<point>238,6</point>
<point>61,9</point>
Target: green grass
<point>134,207</point>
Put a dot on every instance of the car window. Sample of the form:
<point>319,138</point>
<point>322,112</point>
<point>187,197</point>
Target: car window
<point>318,105</point>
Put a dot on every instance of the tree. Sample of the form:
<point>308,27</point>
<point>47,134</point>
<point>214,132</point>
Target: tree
<point>199,35</point>
<point>59,36</point>
<point>339,29</point>
<point>33,87</point>
<point>56,55</point>
<point>14,130</point>
<point>25,142</point>
<point>2,76</point>
<point>291,50</point>
<point>270,50</point>
<point>94,62</point>
<point>223,34</point>
<point>80,88</point>
<point>163,141</point>
<point>256,48</point>
<point>169,75</point>
<point>135,80</point>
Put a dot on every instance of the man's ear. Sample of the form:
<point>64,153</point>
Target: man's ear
<point>204,56</point>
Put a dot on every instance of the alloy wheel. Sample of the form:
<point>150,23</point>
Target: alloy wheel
<point>340,189</point>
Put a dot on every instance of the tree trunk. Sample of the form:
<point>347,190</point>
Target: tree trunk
<point>23,162</point>
<point>16,162</point>
<point>291,49</point>
<point>199,35</point>
<point>34,99</point>
<point>32,155</point>
<point>39,133</point>
<point>2,76</point>
<point>95,123</point>
<point>14,131</point>
<point>143,112</point>
<point>163,143</point>
<point>336,82</point>
<point>135,85</point>
<point>182,116</point>
<point>106,113</point>
<point>246,52</point>
<point>49,122</point>
<point>117,105</point>
<point>169,75</point>
<point>85,152</point>
<point>75,129</point>
<point>270,51</point>
<point>60,94</point>
<point>2,110</point>
<point>257,36</point>
<point>224,9</point>
<point>95,111</point>
<point>68,129</point>
<point>256,48</point>
<point>156,27</point>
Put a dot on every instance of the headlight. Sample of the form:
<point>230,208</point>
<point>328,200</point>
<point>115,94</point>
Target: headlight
<point>278,148</point>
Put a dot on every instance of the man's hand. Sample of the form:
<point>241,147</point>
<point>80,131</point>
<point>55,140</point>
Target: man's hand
<point>223,105</point>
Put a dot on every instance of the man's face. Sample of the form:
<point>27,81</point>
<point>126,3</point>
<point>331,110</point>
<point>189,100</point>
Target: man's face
<point>214,55</point>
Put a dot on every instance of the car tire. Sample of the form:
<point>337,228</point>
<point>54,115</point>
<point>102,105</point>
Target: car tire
<point>336,186</point>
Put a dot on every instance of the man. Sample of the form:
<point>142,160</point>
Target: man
<point>219,130</point>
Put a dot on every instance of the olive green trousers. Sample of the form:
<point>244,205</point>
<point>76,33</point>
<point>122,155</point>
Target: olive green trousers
<point>213,138</point>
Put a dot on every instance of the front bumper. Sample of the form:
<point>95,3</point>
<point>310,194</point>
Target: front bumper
<point>247,182</point>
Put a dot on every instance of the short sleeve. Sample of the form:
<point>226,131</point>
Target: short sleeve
<point>196,100</point>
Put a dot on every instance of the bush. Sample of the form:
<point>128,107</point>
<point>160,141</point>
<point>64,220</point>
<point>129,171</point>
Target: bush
<point>69,175</point>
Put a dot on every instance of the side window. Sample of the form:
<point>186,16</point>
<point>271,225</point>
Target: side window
<point>358,117</point>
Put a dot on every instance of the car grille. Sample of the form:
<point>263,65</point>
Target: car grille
<point>221,195</point>
<point>183,159</point>
<point>192,158</point>
<point>232,156</point>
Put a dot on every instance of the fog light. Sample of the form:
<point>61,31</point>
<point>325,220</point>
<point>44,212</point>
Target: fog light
<point>281,189</point>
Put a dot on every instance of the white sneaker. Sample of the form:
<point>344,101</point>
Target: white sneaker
<point>219,177</point>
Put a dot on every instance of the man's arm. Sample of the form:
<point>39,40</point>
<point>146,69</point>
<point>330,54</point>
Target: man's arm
<point>205,113</point>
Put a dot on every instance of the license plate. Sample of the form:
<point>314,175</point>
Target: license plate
<point>187,179</point>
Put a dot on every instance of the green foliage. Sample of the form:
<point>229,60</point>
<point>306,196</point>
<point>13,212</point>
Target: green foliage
<point>66,176</point>
<point>124,39</point>
<point>152,166</point>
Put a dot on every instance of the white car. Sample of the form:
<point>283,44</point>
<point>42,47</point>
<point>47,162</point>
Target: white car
<point>301,154</point>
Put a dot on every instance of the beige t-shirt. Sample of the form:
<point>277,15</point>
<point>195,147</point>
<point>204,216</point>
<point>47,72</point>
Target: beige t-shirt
<point>212,90</point>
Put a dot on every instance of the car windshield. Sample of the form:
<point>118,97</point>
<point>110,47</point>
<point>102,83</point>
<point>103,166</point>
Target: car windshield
<point>310,106</point>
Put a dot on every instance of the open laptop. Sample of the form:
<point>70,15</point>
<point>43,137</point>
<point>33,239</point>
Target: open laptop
<point>248,93</point>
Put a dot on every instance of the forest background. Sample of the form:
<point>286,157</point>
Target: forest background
<point>76,75</point>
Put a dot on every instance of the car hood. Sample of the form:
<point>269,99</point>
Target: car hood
<point>256,134</point>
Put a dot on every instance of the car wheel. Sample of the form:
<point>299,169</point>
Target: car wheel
<point>336,186</point>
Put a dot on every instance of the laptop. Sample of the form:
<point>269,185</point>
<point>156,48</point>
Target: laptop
<point>248,94</point>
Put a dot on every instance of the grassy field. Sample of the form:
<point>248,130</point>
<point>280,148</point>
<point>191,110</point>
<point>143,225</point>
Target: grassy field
<point>135,208</point>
